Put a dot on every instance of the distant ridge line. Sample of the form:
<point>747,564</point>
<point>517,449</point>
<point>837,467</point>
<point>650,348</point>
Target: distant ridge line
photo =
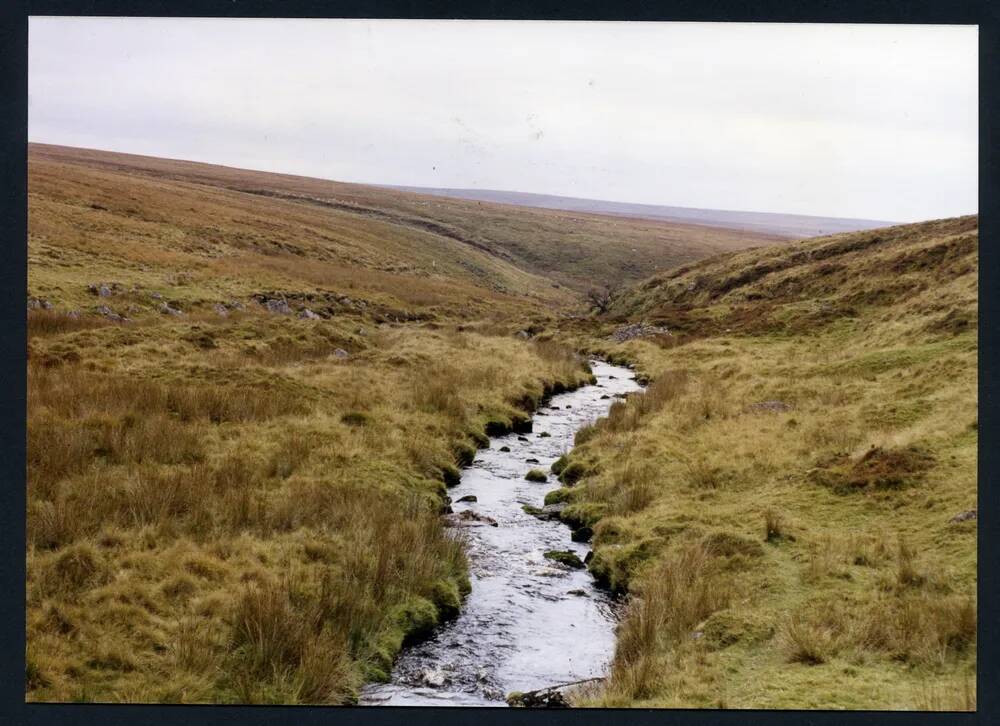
<point>788,225</point>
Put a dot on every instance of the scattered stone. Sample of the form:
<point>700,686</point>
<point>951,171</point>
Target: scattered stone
<point>341,353</point>
<point>770,406</point>
<point>468,518</point>
<point>522,438</point>
<point>552,511</point>
<point>166,309</point>
<point>504,448</point>
<point>237,305</point>
<point>637,330</point>
<point>523,334</point>
<point>605,396</point>
<point>277,306</point>
<point>469,498</point>
<point>156,296</point>
<point>556,408</point>
<point>110,314</point>
<point>37,303</point>
<point>74,314</point>
<point>964,516</point>
<point>531,461</point>
<point>551,697</point>
<point>565,557</point>
<point>544,435</point>
<point>220,310</point>
<point>578,593</point>
<point>493,693</point>
<point>308,314</point>
<point>100,289</point>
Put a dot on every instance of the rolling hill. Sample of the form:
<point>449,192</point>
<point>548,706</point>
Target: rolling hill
<point>249,392</point>
<point>793,499</point>
<point>769,223</point>
<point>519,250</point>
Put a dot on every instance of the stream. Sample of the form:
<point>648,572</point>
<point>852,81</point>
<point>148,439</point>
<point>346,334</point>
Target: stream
<point>529,622</point>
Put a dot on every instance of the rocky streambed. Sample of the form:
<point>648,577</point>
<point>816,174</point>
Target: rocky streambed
<point>531,621</point>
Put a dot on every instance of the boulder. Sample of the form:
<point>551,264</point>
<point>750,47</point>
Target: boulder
<point>549,511</point>
<point>565,557</point>
<point>341,353</point>
<point>278,306</point>
<point>468,518</point>
<point>37,303</point>
<point>307,314</point>
<point>559,696</point>
<point>220,310</point>
<point>434,677</point>
<point>110,314</point>
<point>964,516</point>
<point>100,289</point>
<point>468,498</point>
<point>166,309</point>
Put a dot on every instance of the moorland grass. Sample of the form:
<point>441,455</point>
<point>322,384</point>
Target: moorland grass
<point>837,578</point>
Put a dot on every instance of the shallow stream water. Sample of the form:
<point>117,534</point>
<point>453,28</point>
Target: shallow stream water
<point>528,623</point>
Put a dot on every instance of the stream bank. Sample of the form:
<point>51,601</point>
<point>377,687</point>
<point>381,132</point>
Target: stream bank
<point>531,620</point>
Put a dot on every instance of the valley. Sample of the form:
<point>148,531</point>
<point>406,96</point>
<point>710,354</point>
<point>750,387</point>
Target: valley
<point>252,397</point>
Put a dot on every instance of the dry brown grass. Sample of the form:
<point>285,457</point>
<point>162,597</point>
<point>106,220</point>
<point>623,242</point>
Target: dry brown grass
<point>682,592</point>
<point>834,404</point>
<point>222,508</point>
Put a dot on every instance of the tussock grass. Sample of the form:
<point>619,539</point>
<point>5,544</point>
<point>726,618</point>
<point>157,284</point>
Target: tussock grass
<point>222,508</point>
<point>827,416</point>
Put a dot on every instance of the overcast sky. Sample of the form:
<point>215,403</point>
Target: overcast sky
<point>877,122</point>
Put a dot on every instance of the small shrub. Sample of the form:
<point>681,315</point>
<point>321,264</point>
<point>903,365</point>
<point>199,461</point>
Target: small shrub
<point>355,418</point>
<point>807,641</point>
<point>774,527</point>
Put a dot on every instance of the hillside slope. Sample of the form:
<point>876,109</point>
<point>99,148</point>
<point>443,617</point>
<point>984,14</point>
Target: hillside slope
<point>394,231</point>
<point>243,416</point>
<point>792,502</point>
<point>782,225</point>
